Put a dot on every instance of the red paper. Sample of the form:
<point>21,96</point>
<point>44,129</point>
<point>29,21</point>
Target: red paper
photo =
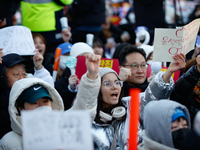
<point>81,67</point>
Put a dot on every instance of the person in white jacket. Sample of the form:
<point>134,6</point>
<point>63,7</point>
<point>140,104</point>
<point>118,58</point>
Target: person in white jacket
<point>27,94</point>
<point>20,99</point>
<point>111,124</point>
<point>13,68</point>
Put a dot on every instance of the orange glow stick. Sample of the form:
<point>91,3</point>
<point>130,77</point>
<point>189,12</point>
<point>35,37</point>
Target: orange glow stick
<point>57,58</point>
<point>56,63</point>
<point>134,118</point>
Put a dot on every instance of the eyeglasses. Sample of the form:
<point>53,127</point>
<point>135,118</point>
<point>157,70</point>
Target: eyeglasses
<point>110,84</point>
<point>136,66</point>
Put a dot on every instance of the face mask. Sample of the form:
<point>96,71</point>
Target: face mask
<point>62,63</point>
<point>178,137</point>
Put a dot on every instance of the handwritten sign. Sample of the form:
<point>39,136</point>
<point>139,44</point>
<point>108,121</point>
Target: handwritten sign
<point>56,130</point>
<point>168,42</point>
<point>17,39</point>
<point>104,62</point>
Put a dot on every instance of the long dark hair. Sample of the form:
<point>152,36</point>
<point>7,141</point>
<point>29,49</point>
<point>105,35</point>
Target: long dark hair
<point>108,110</point>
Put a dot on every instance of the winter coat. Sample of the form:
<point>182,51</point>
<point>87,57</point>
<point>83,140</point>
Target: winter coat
<point>157,123</point>
<point>183,91</point>
<point>61,85</point>
<point>13,139</point>
<point>103,133</point>
<point>4,96</point>
<point>127,87</point>
<point>86,98</point>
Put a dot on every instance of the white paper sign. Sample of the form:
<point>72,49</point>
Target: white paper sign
<point>168,42</point>
<point>17,39</point>
<point>56,130</point>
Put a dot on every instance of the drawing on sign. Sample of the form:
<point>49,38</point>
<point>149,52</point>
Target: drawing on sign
<point>71,131</point>
<point>56,130</point>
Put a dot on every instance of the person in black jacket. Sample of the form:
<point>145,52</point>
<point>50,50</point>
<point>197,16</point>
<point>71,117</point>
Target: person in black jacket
<point>8,62</point>
<point>134,58</point>
<point>87,17</point>
<point>62,86</point>
<point>187,89</point>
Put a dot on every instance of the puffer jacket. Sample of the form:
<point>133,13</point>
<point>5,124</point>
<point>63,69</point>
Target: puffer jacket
<point>88,89</point>
<point>103,133</point>
<point>13,139</point>
<point>183,91</point>
<point>5,91</point>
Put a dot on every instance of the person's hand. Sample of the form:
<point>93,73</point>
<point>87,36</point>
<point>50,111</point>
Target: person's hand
<point>92,64</point>
<point>73,80</point>
<point>66,34</point>
<point>174,66</point>
<point>179,64</point>
<point>124,73</point>
<point>198,62</point>
<point>37,60</point>
<point>1,55</point>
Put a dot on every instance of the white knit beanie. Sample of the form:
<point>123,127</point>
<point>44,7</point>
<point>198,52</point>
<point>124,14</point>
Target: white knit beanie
<point>79,48</point>
<point>104,71</point>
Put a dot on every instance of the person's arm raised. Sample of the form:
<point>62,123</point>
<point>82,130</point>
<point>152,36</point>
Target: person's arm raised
<point>37,60</point>
<point>174,66</point>
<point>86,98</point>
<point>92,64</point>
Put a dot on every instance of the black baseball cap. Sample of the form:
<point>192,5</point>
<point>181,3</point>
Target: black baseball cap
<point>12,59</point>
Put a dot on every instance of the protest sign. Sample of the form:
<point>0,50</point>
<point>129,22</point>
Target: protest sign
<point>168,42</point>
<point>17,39</point>
<point>56,130</point>
<point>104,62</point>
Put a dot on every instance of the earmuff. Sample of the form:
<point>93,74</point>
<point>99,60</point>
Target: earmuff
<point>117,113</point>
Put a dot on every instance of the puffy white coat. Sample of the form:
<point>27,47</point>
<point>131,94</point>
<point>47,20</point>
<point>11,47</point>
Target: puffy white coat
<point>13,139</point>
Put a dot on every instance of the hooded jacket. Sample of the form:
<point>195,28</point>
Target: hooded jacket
<point>5,91</point>
<point>13,139</point>
<point>157,123</point>
<point>103,133</point>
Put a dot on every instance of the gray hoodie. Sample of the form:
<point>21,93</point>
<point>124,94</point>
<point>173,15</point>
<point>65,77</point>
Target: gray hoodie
<point>157,124</point>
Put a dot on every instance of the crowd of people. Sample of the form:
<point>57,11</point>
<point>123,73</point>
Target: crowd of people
<point>168,108</point>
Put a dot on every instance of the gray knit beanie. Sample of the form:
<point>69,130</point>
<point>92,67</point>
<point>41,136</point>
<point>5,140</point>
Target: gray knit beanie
<point>104,71</point>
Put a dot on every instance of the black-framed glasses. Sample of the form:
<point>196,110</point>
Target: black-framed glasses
<point>110,84</point>
<point>136,66</point>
